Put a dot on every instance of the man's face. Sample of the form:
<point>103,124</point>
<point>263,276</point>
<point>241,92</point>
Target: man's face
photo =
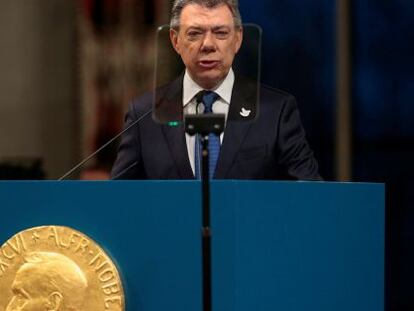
<point>207,42</point>
<point>27,296</point>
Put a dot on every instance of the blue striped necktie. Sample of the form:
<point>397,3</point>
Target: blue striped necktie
<point>208,100</point>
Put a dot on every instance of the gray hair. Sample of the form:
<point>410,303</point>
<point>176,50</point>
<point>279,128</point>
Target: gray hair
<point>179,5</point>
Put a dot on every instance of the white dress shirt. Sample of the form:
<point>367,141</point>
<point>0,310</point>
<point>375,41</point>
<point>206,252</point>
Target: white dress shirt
<point>221,105</point>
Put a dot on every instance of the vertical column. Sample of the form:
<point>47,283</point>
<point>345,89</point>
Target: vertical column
<point>343,112</point>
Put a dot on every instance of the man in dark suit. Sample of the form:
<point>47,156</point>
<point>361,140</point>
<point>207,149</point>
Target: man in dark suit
<point>207,34</point>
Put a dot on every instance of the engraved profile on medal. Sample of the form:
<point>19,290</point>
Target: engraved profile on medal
<point>57,268</point>
<point>48,281</point>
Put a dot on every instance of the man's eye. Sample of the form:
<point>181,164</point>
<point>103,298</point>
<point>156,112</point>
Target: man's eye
<point>222,34</point>
<point>21,298</point>
<point>194,35</point>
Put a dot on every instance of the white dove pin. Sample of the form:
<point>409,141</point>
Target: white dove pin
<point>245,113</point>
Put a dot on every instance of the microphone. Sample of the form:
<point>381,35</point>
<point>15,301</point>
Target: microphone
<point>84,161</point>
<point>124,170</point>
<point>199,97</point>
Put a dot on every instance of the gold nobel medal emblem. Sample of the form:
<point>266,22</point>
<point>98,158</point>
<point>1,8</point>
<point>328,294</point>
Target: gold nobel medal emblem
<point>53,268</point>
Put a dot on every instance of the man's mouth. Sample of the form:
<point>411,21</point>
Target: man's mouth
<point>208,64</point>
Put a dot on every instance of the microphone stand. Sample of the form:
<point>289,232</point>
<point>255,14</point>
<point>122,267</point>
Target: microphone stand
<point>84,161</point>
<point>204,125</point>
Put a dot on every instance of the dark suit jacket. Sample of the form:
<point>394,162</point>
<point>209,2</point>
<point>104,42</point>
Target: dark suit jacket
<point>272,147</point>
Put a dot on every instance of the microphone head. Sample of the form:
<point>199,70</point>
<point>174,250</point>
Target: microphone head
<point>199,96</point>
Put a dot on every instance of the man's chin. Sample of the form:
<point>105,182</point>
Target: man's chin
<point>209,82</point>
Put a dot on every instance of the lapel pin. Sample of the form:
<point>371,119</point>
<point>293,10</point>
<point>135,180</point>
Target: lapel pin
<point>245,113</point>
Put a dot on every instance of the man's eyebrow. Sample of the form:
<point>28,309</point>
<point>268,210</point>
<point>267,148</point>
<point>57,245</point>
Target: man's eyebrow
<point>24,293</point>
<point>213,27</point>
<point>19,290</point>
<point>221,27</point>
<point>195,28</point>
<point>14,287</point>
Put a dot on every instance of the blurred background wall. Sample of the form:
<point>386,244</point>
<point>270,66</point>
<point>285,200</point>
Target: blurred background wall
<point>39,111</point>
<point>69,69</point>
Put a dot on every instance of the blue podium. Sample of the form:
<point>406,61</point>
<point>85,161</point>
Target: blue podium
<point>276,245</point>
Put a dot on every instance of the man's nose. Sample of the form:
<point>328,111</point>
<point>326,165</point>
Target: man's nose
<point>10,306</point>
<point>208,43</point>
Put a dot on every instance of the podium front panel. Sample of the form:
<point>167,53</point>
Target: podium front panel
<point>276,245</point>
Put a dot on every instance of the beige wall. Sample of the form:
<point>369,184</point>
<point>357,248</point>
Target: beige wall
<point>38,107</point>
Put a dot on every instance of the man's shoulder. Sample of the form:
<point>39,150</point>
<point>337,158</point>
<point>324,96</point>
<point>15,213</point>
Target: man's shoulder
<point>164,93</point>
<point>140,105</point>
<point>274,101</point>
<point>267,91</point>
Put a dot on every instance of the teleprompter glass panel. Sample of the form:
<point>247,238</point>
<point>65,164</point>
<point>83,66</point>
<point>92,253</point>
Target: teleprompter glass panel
<point>206,54</point>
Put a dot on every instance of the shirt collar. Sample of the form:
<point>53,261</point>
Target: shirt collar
<point>191,88</point>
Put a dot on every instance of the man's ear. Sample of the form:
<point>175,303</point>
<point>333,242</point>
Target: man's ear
<point>54,301</point>
<point>174,40</point>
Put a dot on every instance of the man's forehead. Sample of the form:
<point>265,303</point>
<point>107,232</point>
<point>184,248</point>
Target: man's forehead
<point>16,284</point>
<point>197,15</point>
<point>22,275</point>
<point>26,277</point>
<point>26,274</point>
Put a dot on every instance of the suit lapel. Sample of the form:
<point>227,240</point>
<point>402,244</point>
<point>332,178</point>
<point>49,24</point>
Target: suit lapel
<point>234,135</point>
<point>244,96</point>
<point>171,104</point>
<point>175,138</point>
